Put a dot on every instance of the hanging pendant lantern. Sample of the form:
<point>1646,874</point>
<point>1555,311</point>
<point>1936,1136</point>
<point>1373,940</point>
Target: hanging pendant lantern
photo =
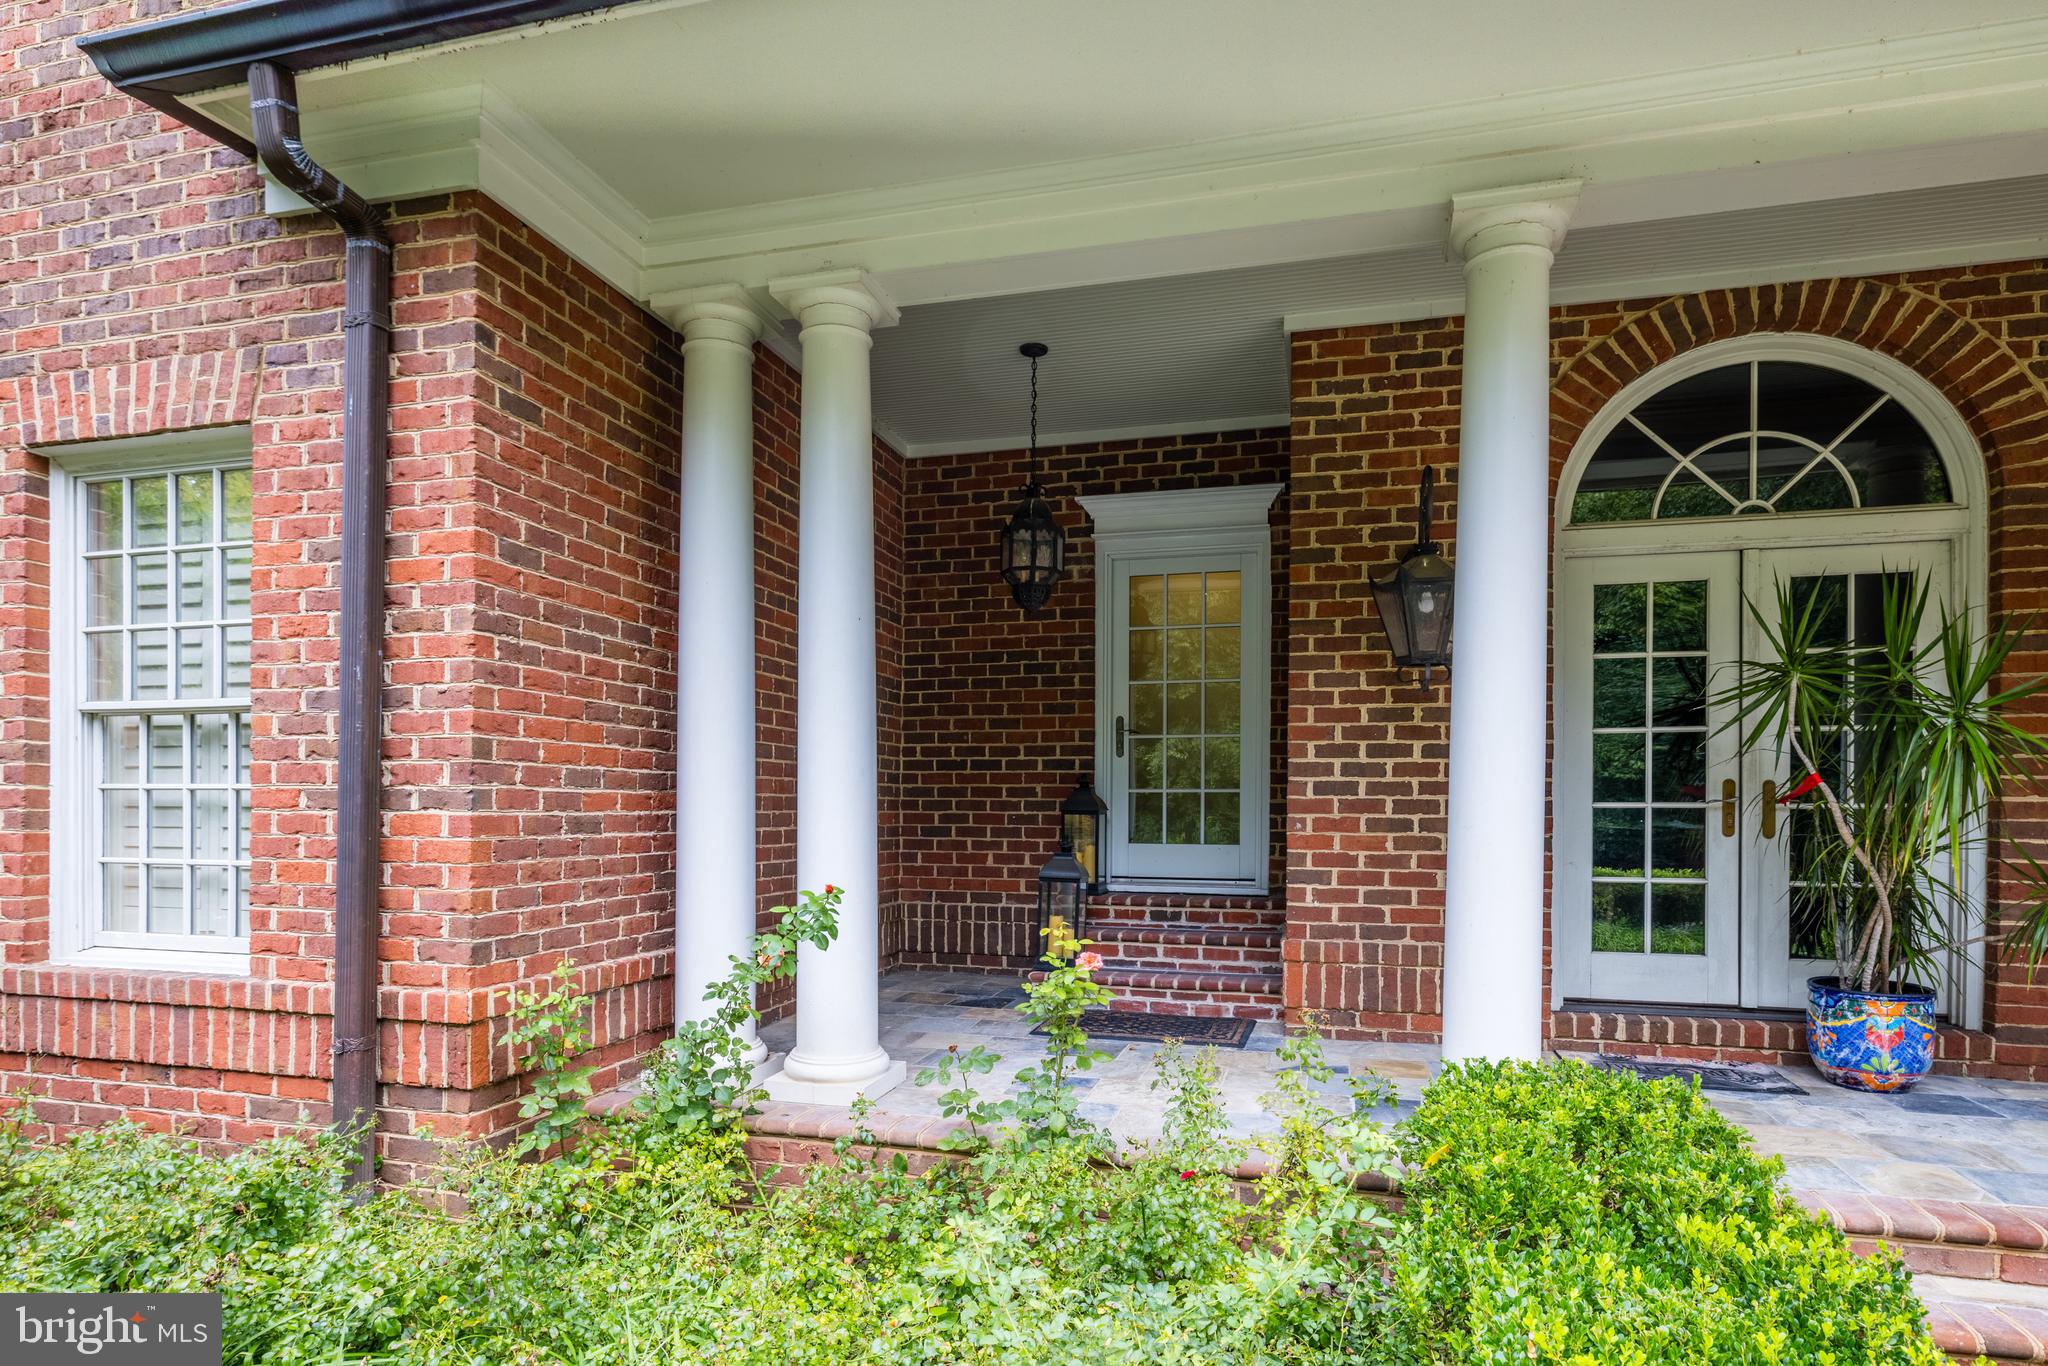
<point>1034,550</point>
<point>1414,598</point>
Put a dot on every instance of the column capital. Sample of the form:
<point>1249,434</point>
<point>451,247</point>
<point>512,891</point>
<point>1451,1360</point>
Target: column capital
<point>727,313</point>
<point>846,297</point>
<point>1512,216</point>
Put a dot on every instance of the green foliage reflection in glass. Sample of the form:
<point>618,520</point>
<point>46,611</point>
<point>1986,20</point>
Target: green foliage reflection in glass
<point>1649,767</point>
<point>1186,663</point>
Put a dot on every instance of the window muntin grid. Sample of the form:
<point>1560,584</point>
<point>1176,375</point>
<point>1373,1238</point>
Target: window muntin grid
<point>1761,437</point>
<point>1186,707</point>
<point>1650,799</point>
<point>165,589</point>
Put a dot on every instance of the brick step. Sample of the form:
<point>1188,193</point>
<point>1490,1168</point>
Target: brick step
<point>1981,1268</point>
<point>1188,948</point>
<point>1245,995</point>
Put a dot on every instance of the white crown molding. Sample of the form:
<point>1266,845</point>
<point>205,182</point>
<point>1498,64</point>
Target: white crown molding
<point>1702,141</point>
<point>1017,441</point>
<point>1960,85</point>
<point>1769,270</point>
<point>1181,509</point>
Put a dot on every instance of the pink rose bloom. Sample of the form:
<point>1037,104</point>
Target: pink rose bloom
<point>1088,961</point>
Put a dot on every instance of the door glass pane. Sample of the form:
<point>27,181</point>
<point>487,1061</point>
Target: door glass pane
<point>1649,781</point>
<point>1148,763</point>
<point>1147,822</point>
<point>1617,692</point>
<point>1148,600</point>
<point>1849,610</point>
<point>1185,727</point>
<point>1617,917</point>
<point>1618,767</point>
<point>1678,918</point>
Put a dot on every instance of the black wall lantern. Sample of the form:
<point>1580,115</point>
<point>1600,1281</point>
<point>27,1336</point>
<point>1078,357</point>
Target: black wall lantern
<point>1034,554</point>
<point>1414,598</point>
<point>1063,892</point>
<point>1081,817</point>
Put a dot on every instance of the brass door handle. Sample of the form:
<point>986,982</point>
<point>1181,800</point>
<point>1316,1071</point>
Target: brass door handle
<point>1770,807</point>
<point>1728,807</point>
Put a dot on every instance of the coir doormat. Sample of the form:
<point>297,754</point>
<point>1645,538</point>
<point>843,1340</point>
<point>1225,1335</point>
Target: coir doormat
<point>1135,1026</point>
<point>1747,1078</point>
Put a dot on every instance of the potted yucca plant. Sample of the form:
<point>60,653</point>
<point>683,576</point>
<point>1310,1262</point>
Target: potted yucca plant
<point>1904,748</point>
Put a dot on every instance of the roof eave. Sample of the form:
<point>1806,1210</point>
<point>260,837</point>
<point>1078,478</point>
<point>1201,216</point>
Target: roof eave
<point>161,61</point>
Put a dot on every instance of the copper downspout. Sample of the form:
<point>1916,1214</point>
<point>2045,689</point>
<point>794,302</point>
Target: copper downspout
<point>365,426</point>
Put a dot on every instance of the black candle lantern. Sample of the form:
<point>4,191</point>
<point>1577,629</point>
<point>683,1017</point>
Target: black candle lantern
<point>1414,598</point>
<point>1034,549</point>
<point>1062,892</point>
<point>1081,817</point>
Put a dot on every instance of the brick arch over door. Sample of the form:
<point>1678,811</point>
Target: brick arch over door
<point>2003,401</point>
<point>1996,377</point>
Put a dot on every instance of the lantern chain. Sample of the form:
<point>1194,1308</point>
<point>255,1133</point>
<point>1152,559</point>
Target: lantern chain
<point>1034,420</point>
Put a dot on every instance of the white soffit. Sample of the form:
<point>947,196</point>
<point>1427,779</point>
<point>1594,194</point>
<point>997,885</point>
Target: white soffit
<point>1208,352</point>
<point>679,145</point>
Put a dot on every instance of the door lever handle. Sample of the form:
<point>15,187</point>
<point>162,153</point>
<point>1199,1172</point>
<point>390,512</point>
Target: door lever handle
<point>1728,807</point>
<point>1119,737</point>
<point>1770,807</point>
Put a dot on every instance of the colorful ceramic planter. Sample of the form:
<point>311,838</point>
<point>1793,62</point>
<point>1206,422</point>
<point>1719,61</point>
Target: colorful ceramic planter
<point>1868,1040</point>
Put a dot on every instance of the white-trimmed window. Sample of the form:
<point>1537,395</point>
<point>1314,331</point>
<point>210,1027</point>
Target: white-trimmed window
<point>150,554</point>
<point>1183,676</point>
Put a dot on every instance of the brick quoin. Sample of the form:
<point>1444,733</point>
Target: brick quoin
<point>1368,752</point>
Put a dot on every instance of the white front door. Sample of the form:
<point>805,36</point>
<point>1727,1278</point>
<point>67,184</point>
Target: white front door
<point>1186,775</point>
<point>1674,866</point>
<point>1846,585</point>
<point>1647,868</point>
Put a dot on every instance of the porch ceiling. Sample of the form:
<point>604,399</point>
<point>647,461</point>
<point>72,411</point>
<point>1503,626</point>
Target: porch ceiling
<point>1152,186</point>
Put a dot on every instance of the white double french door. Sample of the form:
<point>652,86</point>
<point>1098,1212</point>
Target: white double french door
<point>1676,865</point>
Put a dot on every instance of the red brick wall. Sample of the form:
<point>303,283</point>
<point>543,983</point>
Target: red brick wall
<point>999,709</point>
<point>1373,405</point>
<point>778,410</point>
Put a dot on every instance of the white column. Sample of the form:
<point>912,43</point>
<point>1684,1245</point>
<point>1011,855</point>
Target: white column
<point>1493,882</point>
<point>838,1052</point>
<point>715,894</point>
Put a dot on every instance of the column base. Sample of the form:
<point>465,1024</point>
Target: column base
<point>766,1066</point>
<point>783,1086</point>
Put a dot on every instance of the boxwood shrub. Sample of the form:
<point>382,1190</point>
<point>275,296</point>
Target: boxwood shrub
<point>1567,1214</point>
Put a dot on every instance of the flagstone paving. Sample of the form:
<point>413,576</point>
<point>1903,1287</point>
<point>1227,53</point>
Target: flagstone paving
<point>1951,1138</point>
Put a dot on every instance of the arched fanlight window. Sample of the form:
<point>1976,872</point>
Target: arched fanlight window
<point>1761,437</point>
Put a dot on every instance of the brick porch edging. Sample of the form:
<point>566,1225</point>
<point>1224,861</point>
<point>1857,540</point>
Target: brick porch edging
<point>1942,1238</point>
